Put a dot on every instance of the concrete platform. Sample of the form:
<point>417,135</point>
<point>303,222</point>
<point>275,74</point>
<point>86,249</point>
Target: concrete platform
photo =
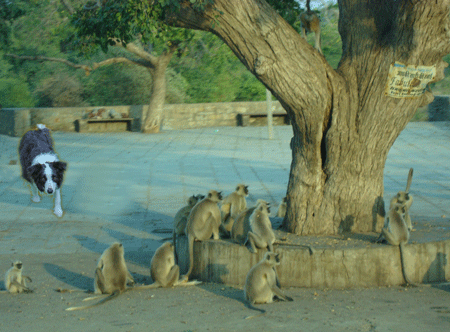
<point>228,263</point>
<point>125,186</point>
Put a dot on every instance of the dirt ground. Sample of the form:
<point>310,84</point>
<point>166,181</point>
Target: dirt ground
<point>211,307</point>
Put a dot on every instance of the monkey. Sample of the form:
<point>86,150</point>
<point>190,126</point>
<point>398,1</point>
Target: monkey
<point>310,23</point>
<point>261,234</point>
<point>406,199</point>
<point>14,281</point>
<point>396,233</point>
<point>180,220</point>
<point>232,205</point>
<point>282,208</point>
<point>111,275</point>
<point>203,221</point>
<point>261,283</point>
<point>164,271</point>
<point>241,226</point>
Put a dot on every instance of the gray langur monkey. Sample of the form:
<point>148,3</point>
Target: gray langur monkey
<point>282,208</point>
<point>396,233</point>
<point>111,275</point>
<point>405,199</point>
<point>310,23</point>
<point>232,205</point>
<point>261,283</point>
<point>164,271</point>
<point>261,235</point>
<point>180,219</point>
<point>15,282</point>
<point>241,225</point>
<point>203,221</point>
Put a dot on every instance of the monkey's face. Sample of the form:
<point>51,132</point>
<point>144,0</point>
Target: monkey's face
<point>403,197</point>
<point>17,265</point>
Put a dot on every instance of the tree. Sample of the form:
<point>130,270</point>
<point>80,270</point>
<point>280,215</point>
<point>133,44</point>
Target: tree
<point>126,25</point>
<point>343,123</point>
<point>117,23</point>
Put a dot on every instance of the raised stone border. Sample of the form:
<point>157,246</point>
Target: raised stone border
<point>228,263</point>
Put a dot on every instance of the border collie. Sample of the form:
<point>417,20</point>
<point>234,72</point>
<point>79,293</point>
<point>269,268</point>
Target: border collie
<point>41,166</point>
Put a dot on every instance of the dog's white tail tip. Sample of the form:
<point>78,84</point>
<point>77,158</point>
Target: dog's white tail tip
<point>41,126</point>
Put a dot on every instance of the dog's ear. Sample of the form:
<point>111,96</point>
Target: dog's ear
<point>60,165</point>
<point>35,169</point>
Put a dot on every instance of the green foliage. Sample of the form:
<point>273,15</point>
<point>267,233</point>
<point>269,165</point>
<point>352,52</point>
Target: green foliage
<point>124,20</point>
<point>214,74</point>
<point>14,92</point>
<point>207,72</point>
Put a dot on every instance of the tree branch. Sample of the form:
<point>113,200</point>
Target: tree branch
<point>68,6</point>
<point>86,68</point>
<point>271,49</point>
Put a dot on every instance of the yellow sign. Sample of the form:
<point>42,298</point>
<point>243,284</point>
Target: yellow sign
<point>408,81</point>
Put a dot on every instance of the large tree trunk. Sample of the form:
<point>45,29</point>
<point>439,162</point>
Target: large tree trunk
<point>343,123</point>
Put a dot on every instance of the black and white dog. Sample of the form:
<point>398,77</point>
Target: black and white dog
<point>41,166</point>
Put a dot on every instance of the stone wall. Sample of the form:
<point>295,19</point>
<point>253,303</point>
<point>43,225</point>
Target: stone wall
<point>15,122</point>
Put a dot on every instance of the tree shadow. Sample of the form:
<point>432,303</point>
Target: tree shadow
<point>436,272</point>
<point>73,279</point>
<point>378,213</point>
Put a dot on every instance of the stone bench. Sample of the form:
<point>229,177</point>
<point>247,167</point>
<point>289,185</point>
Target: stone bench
<point>244,120</point>
<point>103,125</point>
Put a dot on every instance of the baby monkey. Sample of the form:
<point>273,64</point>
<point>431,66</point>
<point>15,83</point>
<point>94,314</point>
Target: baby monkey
<point>15,282</point>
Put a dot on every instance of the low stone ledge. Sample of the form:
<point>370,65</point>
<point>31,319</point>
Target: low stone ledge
<point>378,265</point>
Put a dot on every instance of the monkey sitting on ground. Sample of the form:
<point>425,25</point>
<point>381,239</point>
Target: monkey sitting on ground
<point>261,283</point>
<point>310,23</point>
<point>180,219</point>
<point>405,199</point>
<point>111,275</point>
<point>14,281</point>
<point>282,208</point>
<point>396,232</point>
<point>164,271</point>
<point>203,221</point>
<point>261,234</point>
<point>241,226</point>
<point>232,206</point>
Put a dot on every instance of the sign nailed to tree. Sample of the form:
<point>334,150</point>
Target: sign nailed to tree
<point>408,81</point>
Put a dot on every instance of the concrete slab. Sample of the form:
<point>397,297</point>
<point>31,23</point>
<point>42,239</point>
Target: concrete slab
<point>123,186</point>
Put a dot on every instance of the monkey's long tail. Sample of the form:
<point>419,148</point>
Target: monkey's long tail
<point>408,182</point>
<point>251,306</point>
<point>109,298</point>
<point>174,242</point>
<point>405,276</point>
<point>191,255</point>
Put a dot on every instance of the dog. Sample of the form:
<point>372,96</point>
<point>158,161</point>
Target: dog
<point>41,166</point>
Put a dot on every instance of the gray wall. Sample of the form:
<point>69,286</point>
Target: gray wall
<point>15,121</point>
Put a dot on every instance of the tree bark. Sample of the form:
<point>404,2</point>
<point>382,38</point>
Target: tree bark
<point>152,116</point>
<point>343,123</point>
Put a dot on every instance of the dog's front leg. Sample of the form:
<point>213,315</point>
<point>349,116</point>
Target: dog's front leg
<point>35,193</point>
<point>58,210</point>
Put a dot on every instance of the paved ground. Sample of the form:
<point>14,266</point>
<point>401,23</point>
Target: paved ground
<point>120,187</point>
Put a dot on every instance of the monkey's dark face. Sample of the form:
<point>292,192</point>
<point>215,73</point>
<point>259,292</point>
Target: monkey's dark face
<point>219,196</point>
<point>17,265</point>
<point>403,197</point>
<point>246,190</point>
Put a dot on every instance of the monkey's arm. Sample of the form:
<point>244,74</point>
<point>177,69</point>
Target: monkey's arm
<point>19,285</point>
